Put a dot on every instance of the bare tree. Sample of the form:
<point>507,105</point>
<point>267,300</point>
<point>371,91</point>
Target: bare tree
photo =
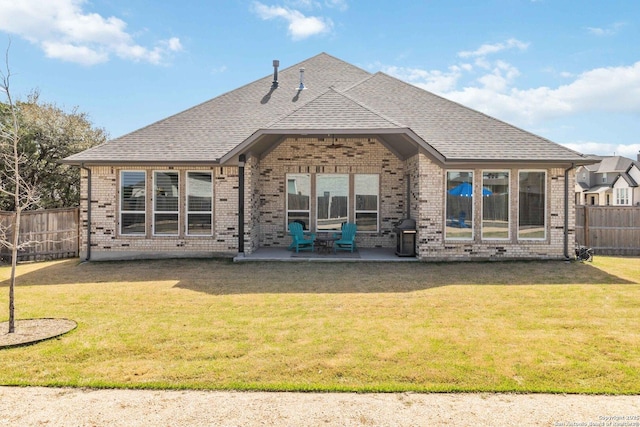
<point>12,183</point>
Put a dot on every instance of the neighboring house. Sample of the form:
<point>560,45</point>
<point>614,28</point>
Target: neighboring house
<point>324,142</point>
<point>613,181</point>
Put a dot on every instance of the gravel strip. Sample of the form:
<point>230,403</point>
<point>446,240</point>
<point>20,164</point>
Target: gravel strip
<point>37,406</point>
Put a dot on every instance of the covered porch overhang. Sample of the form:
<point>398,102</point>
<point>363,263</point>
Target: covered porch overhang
<point>402,142</point>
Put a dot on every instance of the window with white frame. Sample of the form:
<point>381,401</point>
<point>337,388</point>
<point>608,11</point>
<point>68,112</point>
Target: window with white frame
<point>366,191</point>
<point>199,204</point>
<point>332,196</point>
<point>459,205</point>
<point>622,196</point>
<point>133,190</point>
<point>532,189</point>
<point>299,199</point>
<point>495,205</point>
<point>166,194</point>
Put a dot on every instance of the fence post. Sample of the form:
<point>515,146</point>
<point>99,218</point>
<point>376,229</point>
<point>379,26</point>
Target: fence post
<point>586,225</point>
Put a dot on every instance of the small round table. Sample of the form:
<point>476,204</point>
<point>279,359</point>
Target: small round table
<point>325,243</point>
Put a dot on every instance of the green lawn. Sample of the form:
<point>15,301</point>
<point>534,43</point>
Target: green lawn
<point>213,324</point>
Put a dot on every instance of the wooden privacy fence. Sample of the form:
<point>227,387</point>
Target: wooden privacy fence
<point>53,234</point>
<point>609,230</point>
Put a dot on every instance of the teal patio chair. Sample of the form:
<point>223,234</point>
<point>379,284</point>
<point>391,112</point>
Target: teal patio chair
<point>346,242</point>
<point>301,241</point>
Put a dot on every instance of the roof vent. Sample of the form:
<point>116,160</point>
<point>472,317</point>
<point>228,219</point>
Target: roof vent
<point>276,64</point>
<point>301,87</point>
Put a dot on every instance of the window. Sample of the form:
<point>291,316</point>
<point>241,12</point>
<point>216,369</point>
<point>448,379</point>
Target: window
<point>495,205</point>
<point>133,191</point>
<point>459,204</point>
<point>622,196</point>
<point>298,199</point>
<point>604,178</point>
<point>366,189</point>
<point>332,193</point>
<point>199,204</point>
<point>166,196</point>
<point>531,205</point>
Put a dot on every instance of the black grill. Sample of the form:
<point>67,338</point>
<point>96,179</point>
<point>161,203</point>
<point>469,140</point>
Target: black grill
<point>405,231</point>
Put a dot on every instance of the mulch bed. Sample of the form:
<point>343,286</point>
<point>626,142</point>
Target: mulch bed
<point>31,331</point>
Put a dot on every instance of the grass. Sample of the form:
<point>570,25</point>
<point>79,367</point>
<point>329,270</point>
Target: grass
<point>212,324</point>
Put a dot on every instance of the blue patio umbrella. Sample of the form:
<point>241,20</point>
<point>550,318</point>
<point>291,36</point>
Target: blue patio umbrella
<point>466,190</point>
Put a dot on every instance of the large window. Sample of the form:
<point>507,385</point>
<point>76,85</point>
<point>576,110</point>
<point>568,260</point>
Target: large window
<point>459,208</point>
<point>165,207</point>
<point>332,194</point>
<point>133,191</point>
<point>532,205</point>
<point>299,199</point>
<point>199,204</point>
<point>622,196</point>
<point>495,205</point>
<point>366,189</point>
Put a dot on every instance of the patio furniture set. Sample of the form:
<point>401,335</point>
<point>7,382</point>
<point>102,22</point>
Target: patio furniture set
<point>327,243</point>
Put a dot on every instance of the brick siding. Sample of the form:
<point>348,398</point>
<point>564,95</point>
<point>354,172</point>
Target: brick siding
<point>265,210</point>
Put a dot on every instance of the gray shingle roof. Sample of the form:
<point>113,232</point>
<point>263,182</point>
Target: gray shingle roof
<point>338,96</point>
<point>614,164</point>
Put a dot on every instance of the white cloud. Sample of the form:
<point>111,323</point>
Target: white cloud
<point>434,81</point>
<point>629,151</point>
<point>300,26</point>
<point>610,31</point>
<point>494,91</point>
<point>337,4</point>
<point>63,30</point>
<point>612,89</point>
<point>488,49</point>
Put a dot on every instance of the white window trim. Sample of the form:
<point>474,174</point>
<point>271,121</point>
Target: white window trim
<point>622,200</point>
<point>356,211</point>
<point>153,217</point>
<point>546,195</point>
<point>286,187</point>
<point>186,204</point>
<point>473,210</point>
<point>508,172</point>
<point>121,210</point>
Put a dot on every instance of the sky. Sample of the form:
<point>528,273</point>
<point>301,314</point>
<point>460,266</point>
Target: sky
<point>566,70</point>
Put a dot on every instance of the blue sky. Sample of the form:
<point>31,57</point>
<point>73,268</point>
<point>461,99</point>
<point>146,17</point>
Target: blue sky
<point>566,70</point>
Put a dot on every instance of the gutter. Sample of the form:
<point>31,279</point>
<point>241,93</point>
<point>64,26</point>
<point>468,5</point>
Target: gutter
<point>88,211</point>
<point>566,211</point>
<point>241,162</point>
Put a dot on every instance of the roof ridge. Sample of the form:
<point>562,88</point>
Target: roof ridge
<point>289,113</point>
<point>344,95</point>
<point>368,108</point>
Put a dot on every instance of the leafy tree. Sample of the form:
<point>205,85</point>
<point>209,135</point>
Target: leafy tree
<point>47,135</point>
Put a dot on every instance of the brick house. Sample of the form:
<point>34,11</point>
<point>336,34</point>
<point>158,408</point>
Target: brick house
<point>324,142</point>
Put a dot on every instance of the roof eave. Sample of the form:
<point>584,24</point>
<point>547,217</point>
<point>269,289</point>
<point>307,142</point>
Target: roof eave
<point>465,160</point>
<point>178,163</point>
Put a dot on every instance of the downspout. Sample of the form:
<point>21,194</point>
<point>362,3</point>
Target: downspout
<point>241,161</point>
<point>566,212</point>
<point>88,211</point>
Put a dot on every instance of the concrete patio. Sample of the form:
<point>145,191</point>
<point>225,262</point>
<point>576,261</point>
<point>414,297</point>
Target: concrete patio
<point>361,255</point>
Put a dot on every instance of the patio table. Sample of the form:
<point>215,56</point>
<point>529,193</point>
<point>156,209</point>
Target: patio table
<point>325,243</point>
